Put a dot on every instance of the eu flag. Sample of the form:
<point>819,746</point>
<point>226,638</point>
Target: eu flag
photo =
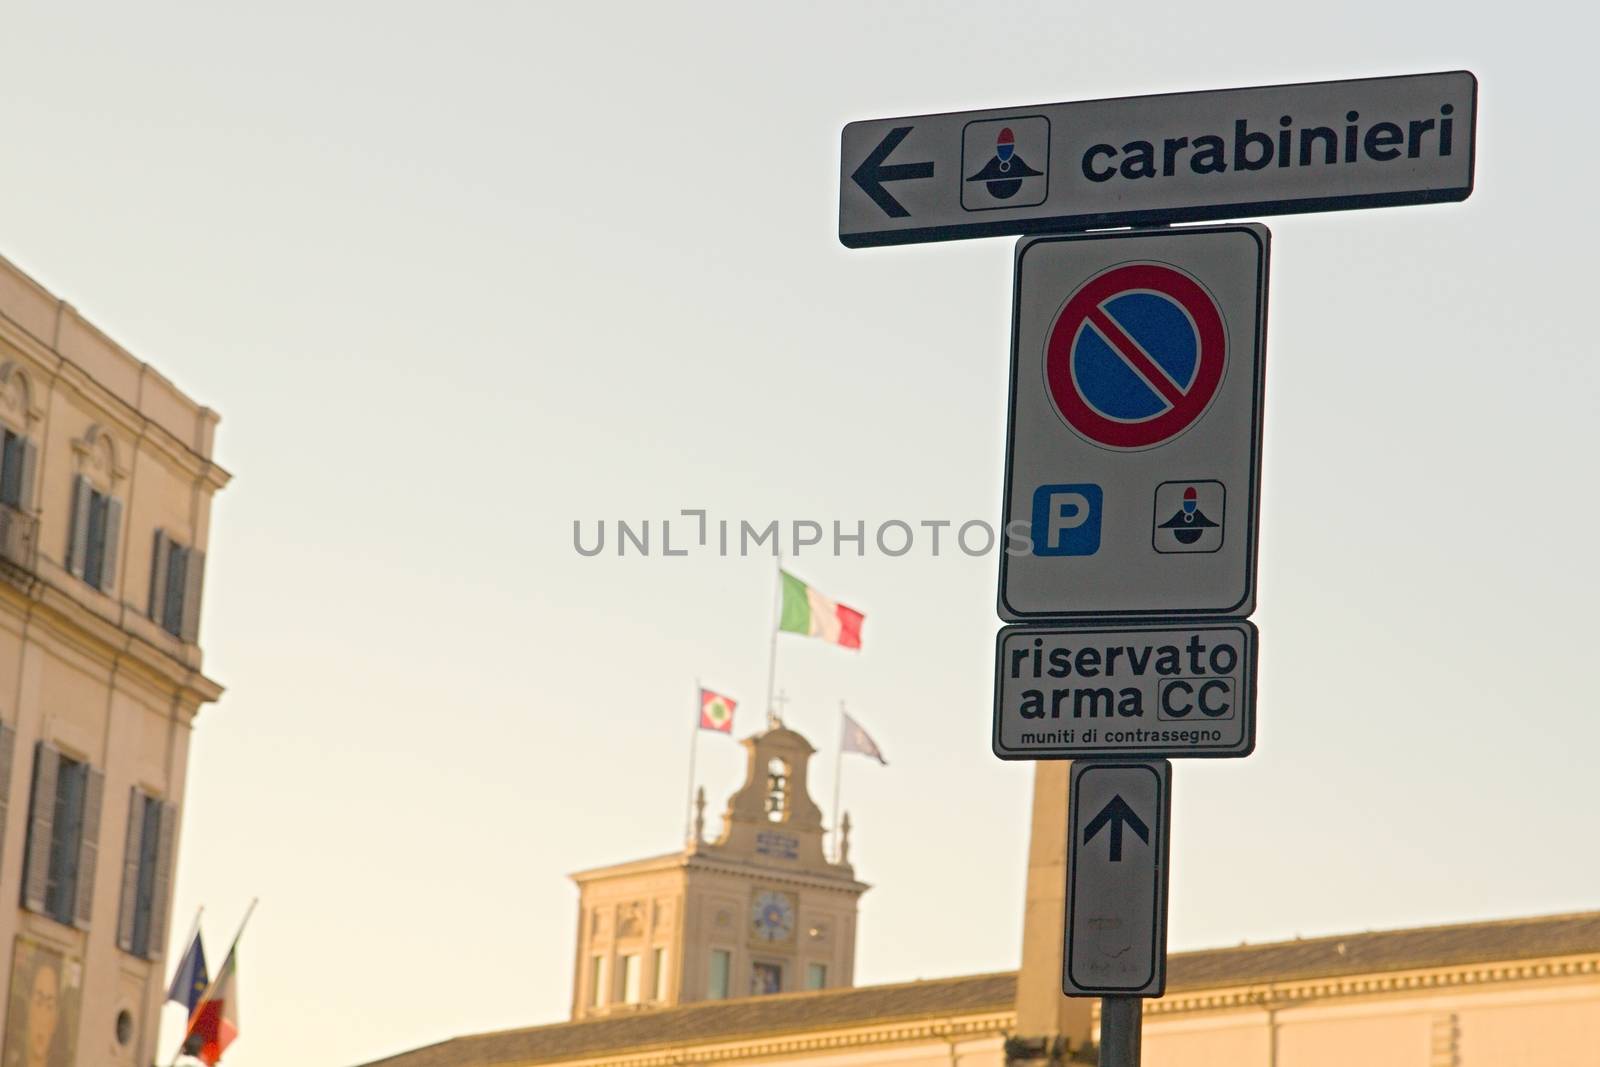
<point>190,982</point>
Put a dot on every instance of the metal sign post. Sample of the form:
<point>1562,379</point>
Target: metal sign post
<point>1120,1021</point>
<point>1133,445</point>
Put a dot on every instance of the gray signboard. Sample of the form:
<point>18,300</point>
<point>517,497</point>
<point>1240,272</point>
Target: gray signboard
<point>1178,157</point>
<point>1117,857</point>
<point>1133,450</point>
<point>1139,691</point>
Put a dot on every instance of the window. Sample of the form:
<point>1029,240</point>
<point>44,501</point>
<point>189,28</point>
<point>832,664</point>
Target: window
<point>146,876</point>
<point>721,966</point>
<point>92,540</point>
<point>597,981</point>
<point>658,967</point>
<point>766,978</point>
<point>816,976</point>
<point>63,837</point>
<point>777,790</point>
<point>18,460</point>
<point>176,573</point>
<point>630,979</point>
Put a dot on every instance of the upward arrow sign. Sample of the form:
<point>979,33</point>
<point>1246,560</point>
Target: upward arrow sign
<point>1116,814</point>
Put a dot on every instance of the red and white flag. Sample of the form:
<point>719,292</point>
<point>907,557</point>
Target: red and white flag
<point>215,1021</point>
<point>716,711</point>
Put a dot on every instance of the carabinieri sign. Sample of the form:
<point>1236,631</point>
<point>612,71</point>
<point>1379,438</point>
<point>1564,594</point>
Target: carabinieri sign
<point>1231,153</point>
<point>1139,691</point>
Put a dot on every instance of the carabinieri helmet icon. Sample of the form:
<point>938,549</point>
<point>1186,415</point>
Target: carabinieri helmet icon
<point>1188,522</point>
<point>1004,172</point>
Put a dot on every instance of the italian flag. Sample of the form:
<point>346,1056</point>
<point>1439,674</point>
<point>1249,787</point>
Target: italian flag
<point>806,611</point>
<point>215,1022</point>
<point>716,711</point>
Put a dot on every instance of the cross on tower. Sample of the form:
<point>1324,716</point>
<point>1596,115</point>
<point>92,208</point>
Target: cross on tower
<point>775,713</point>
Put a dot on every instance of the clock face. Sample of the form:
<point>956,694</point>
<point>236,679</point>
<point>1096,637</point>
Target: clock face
<point>772,916</point>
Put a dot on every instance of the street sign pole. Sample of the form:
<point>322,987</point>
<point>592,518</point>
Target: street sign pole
<point>1133,444</point>
<point>1120,1021</point>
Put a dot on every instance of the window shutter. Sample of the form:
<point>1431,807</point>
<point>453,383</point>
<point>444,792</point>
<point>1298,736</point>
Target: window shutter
<point>158,579</point>
<point>193,579</point>
<point>89,843</point>
<point>163,883</point>
<point>10,465</point>
<point>108,557</point>
<point>8,745</point>
<point>133,848</point>
<point>30,465</point>
<point>78,537</point>
<point>41,826</point>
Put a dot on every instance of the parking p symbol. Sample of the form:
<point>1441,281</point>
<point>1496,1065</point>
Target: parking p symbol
<point>1066,520</point>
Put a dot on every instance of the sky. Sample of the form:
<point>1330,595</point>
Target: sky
<point>458,277</point>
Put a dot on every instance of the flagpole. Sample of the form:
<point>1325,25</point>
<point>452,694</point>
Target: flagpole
<point>194,928</point>
<point>772,648</point>
<point>838,773</point>
<point>694,748</point>
<point>212,985</point>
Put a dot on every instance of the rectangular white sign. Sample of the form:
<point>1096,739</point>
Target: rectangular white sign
<point>1140,691</point>
<point>1133,449</point>
<point>1177,157</point>
<point>1117,859</point>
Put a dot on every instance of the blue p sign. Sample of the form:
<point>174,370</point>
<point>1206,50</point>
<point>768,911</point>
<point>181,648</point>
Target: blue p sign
<point>1066,520</point>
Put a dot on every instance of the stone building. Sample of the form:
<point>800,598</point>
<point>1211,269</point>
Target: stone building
<point>106,480</point>
<point>759,910</point>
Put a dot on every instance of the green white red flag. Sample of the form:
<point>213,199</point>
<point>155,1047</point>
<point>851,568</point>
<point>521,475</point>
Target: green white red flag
<point>716,711</point>
<point>215,1021</point>
<point>806,611</point>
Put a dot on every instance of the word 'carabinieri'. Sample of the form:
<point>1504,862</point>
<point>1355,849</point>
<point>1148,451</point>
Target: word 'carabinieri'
<point>1324,146</point>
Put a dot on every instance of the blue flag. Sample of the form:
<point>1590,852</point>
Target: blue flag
<point>190,982</point>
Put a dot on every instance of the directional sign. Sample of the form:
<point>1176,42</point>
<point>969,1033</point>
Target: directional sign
<point>1178,157</point>
<point>1116,927</point>
<point>1133,450</point>
<point>1138,691</point>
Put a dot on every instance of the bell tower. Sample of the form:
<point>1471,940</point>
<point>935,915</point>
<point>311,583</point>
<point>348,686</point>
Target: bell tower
<point>761,909</point>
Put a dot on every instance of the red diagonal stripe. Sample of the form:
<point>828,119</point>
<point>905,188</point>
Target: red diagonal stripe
<point>1129,350</point>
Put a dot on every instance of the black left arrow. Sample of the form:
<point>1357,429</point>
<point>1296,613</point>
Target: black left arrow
<point>873,173</point>
<point>1116,814</point>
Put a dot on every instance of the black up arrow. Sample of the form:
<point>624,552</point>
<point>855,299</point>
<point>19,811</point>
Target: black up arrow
<point>1116,813</point>
<point>872,173</point>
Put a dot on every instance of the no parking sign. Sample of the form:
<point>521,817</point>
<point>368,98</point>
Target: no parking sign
<point>1133,449</point>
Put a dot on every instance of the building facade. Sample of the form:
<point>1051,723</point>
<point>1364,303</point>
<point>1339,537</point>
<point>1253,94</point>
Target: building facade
<point>106,482</point>
<point>760,910</point>
<point>1519,993</point>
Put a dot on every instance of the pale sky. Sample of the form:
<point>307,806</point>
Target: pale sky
<point>455,277</point>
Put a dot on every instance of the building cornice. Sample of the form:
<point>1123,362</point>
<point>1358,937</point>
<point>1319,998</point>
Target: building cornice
<point>776,875</point>
<point>712,864</point>
<point>1285,994</point>
<point>896,1032</point>
<point>74,623</point>
<point>21,331</point>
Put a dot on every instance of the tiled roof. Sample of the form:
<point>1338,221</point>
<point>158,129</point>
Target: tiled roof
<point>732,1020</point>
<point>1385,950</point>
<point>721,1020</point>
